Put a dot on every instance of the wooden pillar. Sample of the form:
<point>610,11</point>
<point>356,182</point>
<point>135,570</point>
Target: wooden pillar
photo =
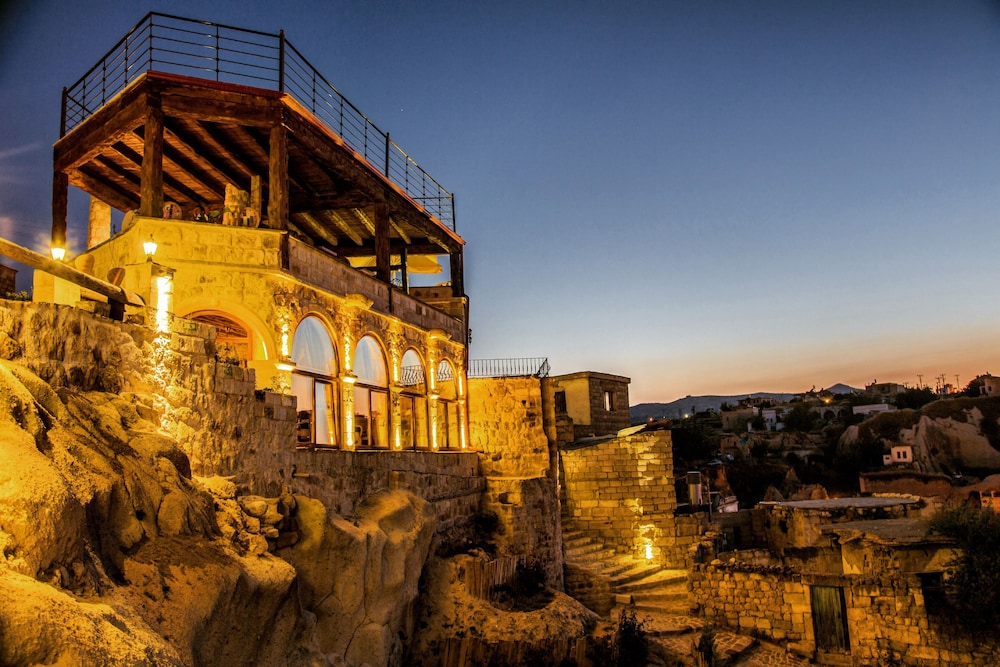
<point>277,179</point>
<point>457,273</point>
<point>383,268</point>
<point>60,205</point>
<point>151,175</point>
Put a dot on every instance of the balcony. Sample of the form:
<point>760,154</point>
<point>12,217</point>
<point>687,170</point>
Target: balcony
<point>191,121</point>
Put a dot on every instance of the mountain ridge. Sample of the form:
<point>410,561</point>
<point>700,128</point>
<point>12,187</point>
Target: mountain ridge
<point>690,404</point>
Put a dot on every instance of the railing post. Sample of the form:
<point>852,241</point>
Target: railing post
<point>62,116</point>
<point>217,52</point>
<point>387,144</point>
<point>281,61</point>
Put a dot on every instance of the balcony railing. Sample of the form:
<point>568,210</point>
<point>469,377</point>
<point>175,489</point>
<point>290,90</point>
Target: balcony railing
<point>176,45</point>
<point>502,368</point>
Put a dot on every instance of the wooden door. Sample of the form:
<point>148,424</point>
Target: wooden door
<point>829,613</point>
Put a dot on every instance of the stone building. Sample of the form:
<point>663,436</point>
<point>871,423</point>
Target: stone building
<point>596,402</point>
<point>264,204</point>
<point>851,581</point>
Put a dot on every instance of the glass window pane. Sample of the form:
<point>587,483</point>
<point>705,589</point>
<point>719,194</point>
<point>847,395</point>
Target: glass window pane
<point>325,422</point>
<point>454,440</point>
<point>369,363</point>
<point>362,413</point>
<point>412,373</point>
<point>442,424</point>
<point>311,348</point>
<point>406,422</point>
<point>420,422</point>
<point>302,389</point>
<point>380,419</point>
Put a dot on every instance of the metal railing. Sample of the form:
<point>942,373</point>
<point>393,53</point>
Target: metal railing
<point>502,368</point>
<point>176,45</point>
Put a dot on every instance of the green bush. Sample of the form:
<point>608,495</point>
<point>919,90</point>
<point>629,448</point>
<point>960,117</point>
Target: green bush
<point>973,584</point>
<point>626,647</point>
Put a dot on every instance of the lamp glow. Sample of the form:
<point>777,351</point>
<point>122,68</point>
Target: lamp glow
<point>58,254</point>
<point>149,247</point>
<point>285,364</point>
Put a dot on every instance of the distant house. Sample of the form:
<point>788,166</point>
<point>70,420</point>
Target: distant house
<point>885,389</point>
<point>596,402</point>
<point>8,277</point>
<point>871,409</point>
<point>990,386</point>
<point>734,419</point>
<point>898,454</point>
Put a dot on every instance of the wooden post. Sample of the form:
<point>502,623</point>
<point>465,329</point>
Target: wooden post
<point>383,269</point>
<point>457,273</point>
<point>277,177</point>
<point>151,176</point>
<point>60,205</point>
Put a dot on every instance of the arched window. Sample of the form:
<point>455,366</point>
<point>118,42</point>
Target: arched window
<point>448,423</point>
<point>371,396</point>
<point>313,384</point>
<point>413,403</point>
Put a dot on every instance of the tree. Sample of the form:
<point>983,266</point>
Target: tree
<point>914,399</point>
<point>974,584</point>
<point>801,418</point>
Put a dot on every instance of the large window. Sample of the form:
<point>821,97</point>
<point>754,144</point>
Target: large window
<point>412,403</point>
<point>371,396</point>
<point>313,384</point>
<point>448,422</point>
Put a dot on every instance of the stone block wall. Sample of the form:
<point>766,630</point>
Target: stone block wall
<point>621,492</point>
<point>765,601</point>
<point>506,424</point>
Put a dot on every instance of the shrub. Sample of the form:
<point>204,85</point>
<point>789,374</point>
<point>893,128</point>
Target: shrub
<point>973,587</point>
<point>626,647</point>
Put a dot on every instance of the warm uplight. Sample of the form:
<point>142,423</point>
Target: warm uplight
<point>164,290</point>
<point>649,551</point>
<point>58,254</point>
<point>149,247</point>
<point>285,364</point>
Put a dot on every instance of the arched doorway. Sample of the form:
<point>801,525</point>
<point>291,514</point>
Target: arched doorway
<point>233,339</point>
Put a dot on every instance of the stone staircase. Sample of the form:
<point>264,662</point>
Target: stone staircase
<point>609,583</point>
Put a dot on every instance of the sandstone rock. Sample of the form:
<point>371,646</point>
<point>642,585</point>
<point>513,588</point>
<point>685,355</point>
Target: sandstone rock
<point>253,505</point>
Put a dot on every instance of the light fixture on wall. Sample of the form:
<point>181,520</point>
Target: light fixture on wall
<point>58,254</point>
<point>149,247</point>
<point>285,364</point>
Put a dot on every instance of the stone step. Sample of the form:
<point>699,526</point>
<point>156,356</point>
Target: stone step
<point>654,580</point>
<point>730,646</point>
<point>590,551</point>
<point>633,574</point>
<point>663,625</point>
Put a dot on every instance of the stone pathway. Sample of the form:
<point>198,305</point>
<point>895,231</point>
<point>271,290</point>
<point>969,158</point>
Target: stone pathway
<point>770,656</point>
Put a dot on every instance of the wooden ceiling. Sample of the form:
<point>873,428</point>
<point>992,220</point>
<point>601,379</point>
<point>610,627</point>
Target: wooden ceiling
<point>214,134</point>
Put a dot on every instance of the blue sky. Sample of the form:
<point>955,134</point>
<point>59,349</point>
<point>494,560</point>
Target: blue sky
<point>707,197</point>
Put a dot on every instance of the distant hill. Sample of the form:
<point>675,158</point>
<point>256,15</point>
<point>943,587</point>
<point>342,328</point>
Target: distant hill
<point>682,406</point>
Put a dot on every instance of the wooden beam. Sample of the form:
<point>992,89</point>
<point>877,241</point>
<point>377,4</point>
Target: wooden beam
<point>151,173</point>
<point>277,200</point>
<point>108,125</point>
<point>395,248</point>
<point>366,220</point>
<point>66,272</point>
<point>345,227</point>
<point>317,228</point>
<point>328,201</point>
<point>103,190</point>
<point>222,173</point>
<point>399,230</point>
<point>383,270</point>
<point>176,162</point>
<point>235,152</point>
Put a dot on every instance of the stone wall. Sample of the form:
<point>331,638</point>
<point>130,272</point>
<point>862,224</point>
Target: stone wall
<point>225,426</point>
<point>766,601</point>
<point>887,619</point>
<point>506,424</point>
<point>621,492</point>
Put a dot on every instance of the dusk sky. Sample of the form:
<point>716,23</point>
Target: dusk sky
<point>707,197</point>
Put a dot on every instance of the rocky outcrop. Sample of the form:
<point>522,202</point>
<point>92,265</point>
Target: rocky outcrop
<point>359,579</point>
